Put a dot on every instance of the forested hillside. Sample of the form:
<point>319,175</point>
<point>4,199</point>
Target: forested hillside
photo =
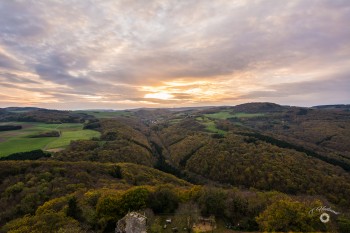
<point>240,164</point>
<point>41,115</point>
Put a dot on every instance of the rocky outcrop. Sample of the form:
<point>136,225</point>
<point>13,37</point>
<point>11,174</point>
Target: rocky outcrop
<point>133,222</point>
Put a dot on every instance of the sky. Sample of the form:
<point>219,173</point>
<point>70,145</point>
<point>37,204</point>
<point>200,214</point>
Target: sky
<point>116,54</point>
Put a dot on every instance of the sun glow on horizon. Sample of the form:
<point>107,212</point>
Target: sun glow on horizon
<point>159,95</point>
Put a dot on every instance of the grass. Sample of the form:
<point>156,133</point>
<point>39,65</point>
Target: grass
<point>106,114</point>
<point>180,221</point>
<point>247,115</point>
<point>19,144</point>
<point>68,136</point>
<point>20,141</point>
<point>210,125</point>
<point>175,121</point>
<point>223,115</point>
<point>209,119</point>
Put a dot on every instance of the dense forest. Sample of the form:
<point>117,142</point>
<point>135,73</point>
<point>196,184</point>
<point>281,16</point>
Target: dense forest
<point>41,115</point>
<point>251,167</point>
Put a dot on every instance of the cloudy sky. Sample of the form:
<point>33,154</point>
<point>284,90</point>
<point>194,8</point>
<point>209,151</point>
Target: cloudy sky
<point>83,54</point>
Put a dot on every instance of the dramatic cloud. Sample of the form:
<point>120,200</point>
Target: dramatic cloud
<point>75,54</point>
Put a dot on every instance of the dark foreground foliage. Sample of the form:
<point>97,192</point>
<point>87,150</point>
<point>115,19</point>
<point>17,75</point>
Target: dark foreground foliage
<point>30,155</point>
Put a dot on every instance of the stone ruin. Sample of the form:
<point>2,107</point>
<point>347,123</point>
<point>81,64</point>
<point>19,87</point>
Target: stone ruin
<point>133,222</point>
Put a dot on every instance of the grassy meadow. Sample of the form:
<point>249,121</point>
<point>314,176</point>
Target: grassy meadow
<point>223,115</point>
<point>210,125</point>
<point>20,140</point>
<point>208,120</point>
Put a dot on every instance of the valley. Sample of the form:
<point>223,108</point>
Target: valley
<point>237,165</point>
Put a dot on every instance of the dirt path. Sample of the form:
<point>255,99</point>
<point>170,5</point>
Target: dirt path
<point>52,150</point>
<point>55,150</point>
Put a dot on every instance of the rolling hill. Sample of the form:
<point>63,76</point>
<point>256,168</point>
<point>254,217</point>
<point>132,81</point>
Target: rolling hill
<point>237,156</point>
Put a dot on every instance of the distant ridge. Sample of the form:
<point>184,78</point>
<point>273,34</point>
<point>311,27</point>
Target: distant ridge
<point>251,106</point>
<point>333,106</point>
<point>259,107</point>
<point>21,109</point>
<point>176,108</point>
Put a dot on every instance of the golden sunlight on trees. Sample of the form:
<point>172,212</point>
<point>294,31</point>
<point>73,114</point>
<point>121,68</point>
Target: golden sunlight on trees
<point>288,215</point>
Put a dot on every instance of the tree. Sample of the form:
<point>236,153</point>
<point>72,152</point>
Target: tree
<point>344,224</point>
<point>287,215</point>
<point>212,202</point>
<point>48,221</point>
<point>134,199</point>
<point>73,209</point>
<point>236,207</point>
<point>164,200</point>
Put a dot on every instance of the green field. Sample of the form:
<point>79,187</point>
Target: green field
<point>106,114</point>
<point>210,125</point>
<point>209,119</point>
<point>223,115</point>
<point>175,121</point>
<point>20,141</point>
<point>220,115</point>
<point>247,115</point>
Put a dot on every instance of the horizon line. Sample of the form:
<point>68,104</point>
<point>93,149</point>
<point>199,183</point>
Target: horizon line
<point>152,108</point>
